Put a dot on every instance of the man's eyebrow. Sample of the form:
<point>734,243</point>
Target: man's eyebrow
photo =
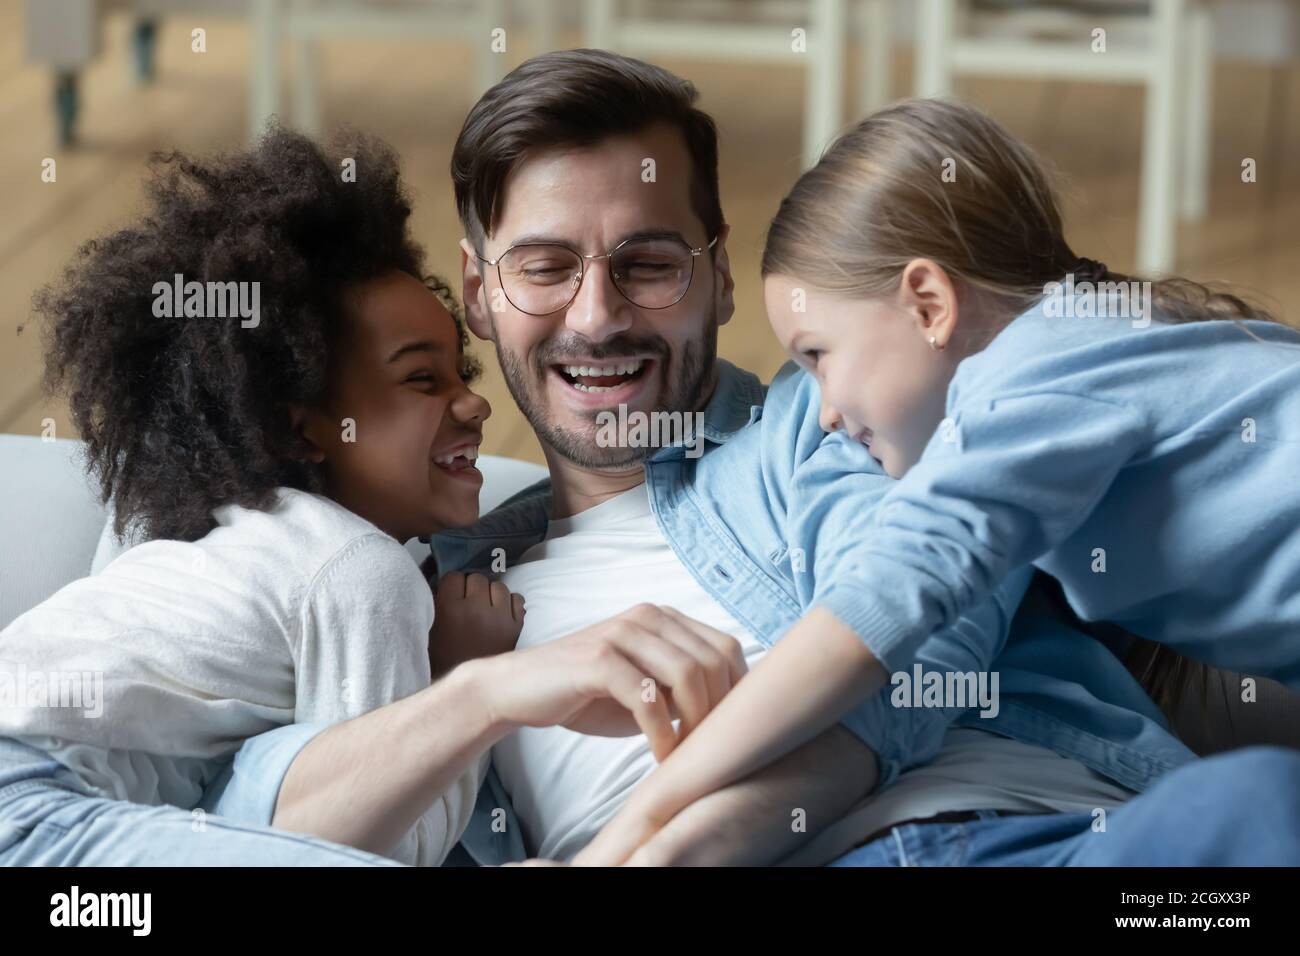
<point>653,232</point>
<point>643,232</point>
<point>424,345</point>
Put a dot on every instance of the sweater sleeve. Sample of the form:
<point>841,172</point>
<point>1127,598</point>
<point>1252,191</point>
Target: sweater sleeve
<point>1004,482</point>
<point>362,644</point>
<point>832,486</point>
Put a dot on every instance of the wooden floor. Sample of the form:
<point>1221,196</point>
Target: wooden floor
<point>416,95</point>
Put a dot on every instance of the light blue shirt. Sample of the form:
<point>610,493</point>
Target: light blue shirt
<point>759,519</point>
<point>1154,472</point>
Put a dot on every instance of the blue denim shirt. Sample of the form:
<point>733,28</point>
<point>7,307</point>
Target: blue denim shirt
<point>760,519</point>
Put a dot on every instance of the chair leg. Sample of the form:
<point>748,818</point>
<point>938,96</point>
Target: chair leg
<point>67,104</point>
<point>934,36</point>
<point>144,44</point>
<point>264,87</point>
<point>875,66</point>
<point>598,24</point>
<point>1157,222</point>
<point>1198,116</point>
<point>489,66</point>
<point>824,80</point>
<point>306,84</point>
<point>545,18</point>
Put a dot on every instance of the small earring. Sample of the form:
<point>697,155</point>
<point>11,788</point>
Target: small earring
<point>934,344</point>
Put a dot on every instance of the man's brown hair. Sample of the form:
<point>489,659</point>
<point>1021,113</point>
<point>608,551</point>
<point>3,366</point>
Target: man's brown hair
<point>575,98</point>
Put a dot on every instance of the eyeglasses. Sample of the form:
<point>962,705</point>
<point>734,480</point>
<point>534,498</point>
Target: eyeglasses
<point>651,272</point>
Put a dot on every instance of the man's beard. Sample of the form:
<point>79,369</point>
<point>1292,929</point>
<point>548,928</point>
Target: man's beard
<point>691,370</point>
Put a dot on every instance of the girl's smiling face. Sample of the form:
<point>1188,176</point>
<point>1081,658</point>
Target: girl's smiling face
<point>401,428</point>
<point>882,380</point>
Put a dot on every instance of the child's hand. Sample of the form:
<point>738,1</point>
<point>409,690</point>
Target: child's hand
<point>473,617</point>
<point>626,840</point>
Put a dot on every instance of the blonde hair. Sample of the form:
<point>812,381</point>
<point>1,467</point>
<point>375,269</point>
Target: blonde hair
<point>932,179</point>
<point>879,198</point>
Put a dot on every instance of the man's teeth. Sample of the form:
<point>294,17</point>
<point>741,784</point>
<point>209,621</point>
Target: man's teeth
<point>599,371</point>
<point>585,371</point>
<point>469,453</point>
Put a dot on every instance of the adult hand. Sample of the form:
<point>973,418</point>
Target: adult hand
<point>636,671</point>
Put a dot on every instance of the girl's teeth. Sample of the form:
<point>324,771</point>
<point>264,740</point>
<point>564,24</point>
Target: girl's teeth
<point>469,453</point>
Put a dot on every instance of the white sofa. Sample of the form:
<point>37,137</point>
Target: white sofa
<point>53,530</point>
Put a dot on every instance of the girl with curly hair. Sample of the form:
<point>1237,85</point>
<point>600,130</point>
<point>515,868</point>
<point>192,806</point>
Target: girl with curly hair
<point>269,470</point>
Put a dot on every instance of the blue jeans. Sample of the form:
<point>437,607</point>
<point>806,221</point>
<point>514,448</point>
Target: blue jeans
<point>1240,808</point>
<point>49,818</point>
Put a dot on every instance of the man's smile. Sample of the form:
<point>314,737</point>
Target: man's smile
<point>601,376</point>
<point>601,383</point>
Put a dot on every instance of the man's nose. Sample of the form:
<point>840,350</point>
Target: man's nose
<point>599,310</point>
<point>830,418</point>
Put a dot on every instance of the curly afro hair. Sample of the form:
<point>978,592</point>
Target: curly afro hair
<point>181,415</point>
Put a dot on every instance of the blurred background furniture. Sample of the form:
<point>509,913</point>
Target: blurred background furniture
<point>414,92</point>
<point>68,34</point>
<point>1163,46</point>
<point>761,31</point>
<point>305,23</point>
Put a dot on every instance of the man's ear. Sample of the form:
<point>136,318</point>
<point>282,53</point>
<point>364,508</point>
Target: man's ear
<point>928,294</point>
<point>305,424</point>
<point>724,286</point>
<point>473,293</point>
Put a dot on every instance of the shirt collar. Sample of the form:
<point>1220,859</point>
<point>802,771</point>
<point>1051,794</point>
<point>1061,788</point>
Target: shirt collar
<point>735,397</point>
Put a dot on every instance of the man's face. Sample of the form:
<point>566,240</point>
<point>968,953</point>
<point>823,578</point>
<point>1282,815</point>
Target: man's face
<point>591,199</point>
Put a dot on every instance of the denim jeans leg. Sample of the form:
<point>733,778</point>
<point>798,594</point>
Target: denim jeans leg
<point>1240,808</point>
<point>48,818</point>
<point>993,840</point>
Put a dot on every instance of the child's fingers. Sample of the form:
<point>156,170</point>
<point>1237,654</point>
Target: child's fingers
<point>499,596</point>
<point>517,607</point>
<point>451,585</point>
<point>476,589</point>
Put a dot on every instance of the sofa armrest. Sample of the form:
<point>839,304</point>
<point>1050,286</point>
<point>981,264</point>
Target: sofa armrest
<point>50,520</point>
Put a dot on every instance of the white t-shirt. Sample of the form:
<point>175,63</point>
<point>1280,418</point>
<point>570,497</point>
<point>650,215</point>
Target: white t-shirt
<point>164,662</point>
<point>565,786</point>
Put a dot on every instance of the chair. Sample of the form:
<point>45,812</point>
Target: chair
<point>1163,45</point>
<point>68,34</point>
<point>304,23</point>
<point>760,31</point>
